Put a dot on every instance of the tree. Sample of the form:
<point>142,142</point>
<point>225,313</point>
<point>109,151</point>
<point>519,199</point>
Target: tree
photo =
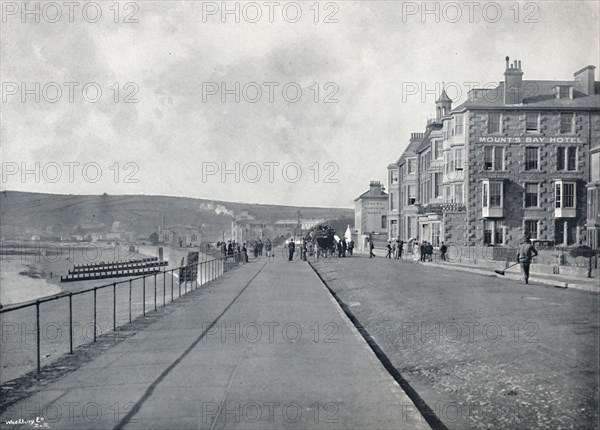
<point>154,238</point>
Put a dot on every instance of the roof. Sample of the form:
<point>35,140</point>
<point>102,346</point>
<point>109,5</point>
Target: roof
<point>368,196</point>
<point>443,97</point>
<point>538,95</point>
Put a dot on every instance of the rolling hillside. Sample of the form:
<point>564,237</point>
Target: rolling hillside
<point>24,212</point>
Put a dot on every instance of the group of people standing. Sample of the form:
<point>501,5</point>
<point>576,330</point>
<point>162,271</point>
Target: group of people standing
<point>232,249</point>
<point>420,251</point>
<point>344,246</point>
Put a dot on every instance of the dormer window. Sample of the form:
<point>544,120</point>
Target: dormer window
<point>563,91</point>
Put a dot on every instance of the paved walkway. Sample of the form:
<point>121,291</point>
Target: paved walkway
<point>263,347</point>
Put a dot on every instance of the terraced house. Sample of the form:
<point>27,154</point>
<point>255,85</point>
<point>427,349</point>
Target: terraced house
<point>523,157</point>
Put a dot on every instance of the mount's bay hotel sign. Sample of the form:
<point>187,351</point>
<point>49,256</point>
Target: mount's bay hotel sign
<point>530,139</point>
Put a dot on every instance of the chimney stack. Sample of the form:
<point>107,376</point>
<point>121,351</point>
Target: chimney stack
<point>513,78</point>
<point>584,80</point>
<point>375,188</point>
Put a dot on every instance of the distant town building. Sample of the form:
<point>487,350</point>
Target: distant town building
<point>244,228</point>
<point>188,235</point>
<point>370,213</point>
<point>520,158</point>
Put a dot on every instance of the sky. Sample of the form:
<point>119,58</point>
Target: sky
<point>140,97</point>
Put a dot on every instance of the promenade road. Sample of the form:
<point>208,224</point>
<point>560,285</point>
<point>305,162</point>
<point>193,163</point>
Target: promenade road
<point>482,352</point>
<point>264,346</point>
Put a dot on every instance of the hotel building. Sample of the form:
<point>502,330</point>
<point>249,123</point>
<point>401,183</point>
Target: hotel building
<point>523,157</point>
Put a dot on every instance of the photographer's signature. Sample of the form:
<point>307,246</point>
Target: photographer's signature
<point>37,422</point>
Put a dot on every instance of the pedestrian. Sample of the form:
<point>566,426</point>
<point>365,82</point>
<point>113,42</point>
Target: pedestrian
<point>245,252</point>
<point>400,247</point>
<point>344,247</point>
<point>423,251</point>
<point>351,247</point>
<point>304,250</point>
<point>371,247</point>
<point>291,249</point>
<point>268,247</point>
<point>416,251</point>
<point>525,254</point>
<point>389,250</point>
<point>339,249</point>
<point>394,250</point>
<point>443,250</point>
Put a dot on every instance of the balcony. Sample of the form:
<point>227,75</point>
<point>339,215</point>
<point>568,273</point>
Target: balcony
<point>565,213</point>
<point>453,207</point>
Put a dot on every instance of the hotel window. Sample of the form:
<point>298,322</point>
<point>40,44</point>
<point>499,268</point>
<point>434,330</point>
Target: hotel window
<point>494,119</point>
<point>564,194</point>
<point>447,198</point>
<point>393,177</point>
<point>411,166</point>
<point>498,233</point>
<point>458,194</point>
<point>412,198</point>
<point>492,194</point>
<point>392,203</point>
<point>487,231</point>
<point>493,158</point>
<point>566,123</point>
<point>531,228</point>
<point>566,158</point>
<point>532,157</point>
<point>383,221</point>
<point>531,195</point>
<point>437,185</point>
<point>458,124</point>
<point>458,159</point>
<point>532,122</point>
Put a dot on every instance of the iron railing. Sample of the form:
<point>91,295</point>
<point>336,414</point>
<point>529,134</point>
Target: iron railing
<point>205,272</point>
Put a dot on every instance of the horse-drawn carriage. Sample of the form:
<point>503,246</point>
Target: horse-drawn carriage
<point>324,238</point>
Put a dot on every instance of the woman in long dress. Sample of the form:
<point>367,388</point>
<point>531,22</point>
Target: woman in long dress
<point>416,251</point>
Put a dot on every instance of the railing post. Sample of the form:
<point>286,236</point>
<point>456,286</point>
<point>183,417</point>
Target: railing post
<point>37,324</point>
<point>130,301</point>
<point>164,288</point>
<point>155,292</point>
<point>114,307</point>
<point>196,277</point>
<point>70,323</point>
<point>172,285</point>
<point>144,293</point>
<point>185,280</point>
<point>200,270</point>
<point>95,332</point>
<point>179,282</point>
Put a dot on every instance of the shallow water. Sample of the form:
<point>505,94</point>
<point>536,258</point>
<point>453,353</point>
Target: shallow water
<point>17,288</point>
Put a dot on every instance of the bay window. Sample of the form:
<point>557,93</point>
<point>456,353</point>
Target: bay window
<point>492,198</point>
<point>565,199</point>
